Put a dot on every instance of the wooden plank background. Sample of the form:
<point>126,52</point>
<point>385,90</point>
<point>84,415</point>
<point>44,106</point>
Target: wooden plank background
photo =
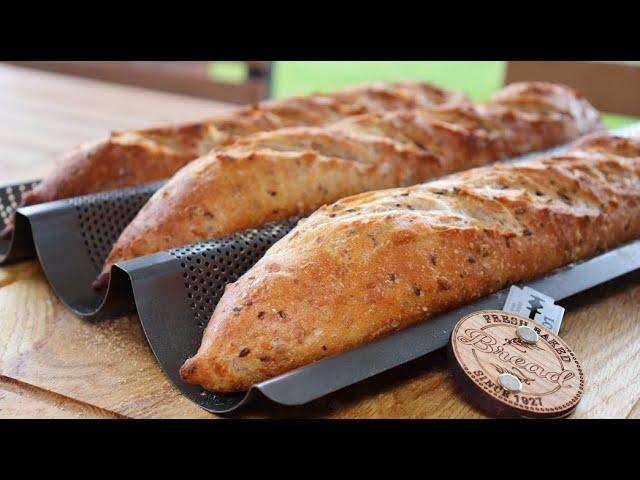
<point>55,365</point>
<point>189,78</point>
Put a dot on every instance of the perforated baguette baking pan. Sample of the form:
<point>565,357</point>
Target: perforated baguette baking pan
<point>175,292</point>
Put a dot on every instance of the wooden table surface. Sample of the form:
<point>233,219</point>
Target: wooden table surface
<point>55,365</point>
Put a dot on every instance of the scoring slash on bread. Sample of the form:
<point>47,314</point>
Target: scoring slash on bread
<point>143,156</point>
<point>377,262</point>
<point>276,175</point>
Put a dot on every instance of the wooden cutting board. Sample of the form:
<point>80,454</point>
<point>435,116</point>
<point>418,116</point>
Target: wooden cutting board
<point>55,365</point>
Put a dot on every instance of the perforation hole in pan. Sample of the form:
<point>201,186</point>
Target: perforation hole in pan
<point>10,198</point>
<point>103,216</point>
<point>209,266</point>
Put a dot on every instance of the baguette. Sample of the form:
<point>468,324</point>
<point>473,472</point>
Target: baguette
<point>143,156</point>
<point>136,157</point>
<point>276,175</point>
<point>378,262</point>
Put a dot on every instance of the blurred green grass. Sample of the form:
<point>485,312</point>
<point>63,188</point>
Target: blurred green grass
<point>478,79</point>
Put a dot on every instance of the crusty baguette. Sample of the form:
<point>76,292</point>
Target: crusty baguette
<point>142,156</point>
<point>275,175</point>
<point>136,157</point>
<point>378,262</point>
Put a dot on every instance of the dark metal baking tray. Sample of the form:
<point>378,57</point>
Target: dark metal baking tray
<point>175,292</point>
<point>165,310</point>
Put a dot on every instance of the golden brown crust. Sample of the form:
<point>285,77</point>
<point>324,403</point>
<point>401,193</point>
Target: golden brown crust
<point>378,262</point>
<point>143,156</point>
<point>275,175</point>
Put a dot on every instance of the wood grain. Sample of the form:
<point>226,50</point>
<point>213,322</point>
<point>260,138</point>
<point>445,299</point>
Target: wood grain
<point>549,380</point>
<point>54,365</point>
<point>12,273</point>
<point>110,366</point>
<point>18,400</point>
<point>93,95</point>
<point>189,78</point>
<point>43,115</point>
<point>603,327</point>
<point>609,86</point>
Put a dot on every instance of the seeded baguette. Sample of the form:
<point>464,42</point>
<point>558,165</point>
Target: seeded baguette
<point>142,156</point>
<point>275,175</point>
<point>136,157</point>
<point>378,262</point>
